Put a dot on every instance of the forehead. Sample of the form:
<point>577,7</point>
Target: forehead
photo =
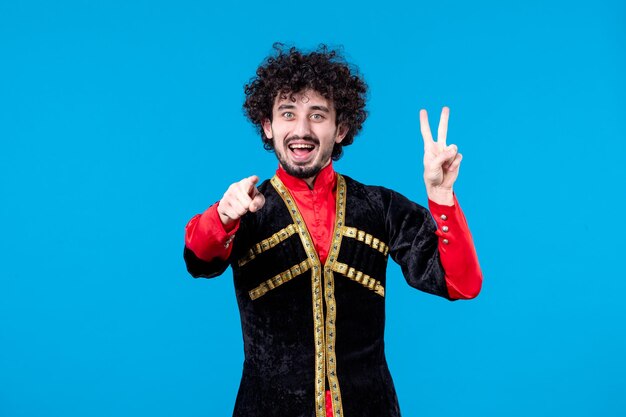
<point>305,98</point>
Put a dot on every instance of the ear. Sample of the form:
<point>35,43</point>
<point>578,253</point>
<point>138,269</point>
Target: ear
<point>342,131</point>
<point>267,128</point>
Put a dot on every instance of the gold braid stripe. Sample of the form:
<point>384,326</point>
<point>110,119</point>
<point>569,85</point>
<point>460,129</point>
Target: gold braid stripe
<point>280,279</point>
<point>316,293</point>
<point>366,238</point>
<point>329,294</point>
<point>268,243</point>
<point>359,277</point>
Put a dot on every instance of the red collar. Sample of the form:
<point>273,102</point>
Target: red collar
<point>325,180</point>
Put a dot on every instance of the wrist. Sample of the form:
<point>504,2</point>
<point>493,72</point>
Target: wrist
<point>441,195</point>
<point>226,221</point>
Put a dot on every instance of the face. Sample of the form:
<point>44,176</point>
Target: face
<point>304,132</point>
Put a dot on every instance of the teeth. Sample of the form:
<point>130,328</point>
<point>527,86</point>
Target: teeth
<point>301,146</point>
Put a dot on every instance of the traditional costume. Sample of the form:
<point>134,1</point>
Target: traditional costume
<point>312,297</point>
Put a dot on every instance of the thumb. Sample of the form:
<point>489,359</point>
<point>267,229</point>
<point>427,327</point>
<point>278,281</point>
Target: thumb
<point>446,157</point>
<point>258,201</point>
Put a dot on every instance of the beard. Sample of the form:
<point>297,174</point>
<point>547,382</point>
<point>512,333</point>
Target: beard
<point>302,172</point>
<point>305,171</point>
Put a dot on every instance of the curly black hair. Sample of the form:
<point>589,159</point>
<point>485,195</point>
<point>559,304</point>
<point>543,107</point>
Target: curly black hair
<point>325,71</point>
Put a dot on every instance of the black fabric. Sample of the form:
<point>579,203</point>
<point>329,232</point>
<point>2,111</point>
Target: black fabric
<point>278,371</point>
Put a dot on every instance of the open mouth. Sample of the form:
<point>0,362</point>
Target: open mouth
<point>301,151</point>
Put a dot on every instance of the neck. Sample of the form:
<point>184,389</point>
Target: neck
<point>310,181</point>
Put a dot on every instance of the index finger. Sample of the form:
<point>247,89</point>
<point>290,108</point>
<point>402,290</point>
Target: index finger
<point>425,129</point>
<point>249,183</point>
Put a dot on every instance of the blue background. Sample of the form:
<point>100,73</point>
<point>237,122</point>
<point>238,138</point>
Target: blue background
<point>119,121</point>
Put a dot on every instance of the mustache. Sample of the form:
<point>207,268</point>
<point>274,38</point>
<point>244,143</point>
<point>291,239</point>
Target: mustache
<point>307,138</point>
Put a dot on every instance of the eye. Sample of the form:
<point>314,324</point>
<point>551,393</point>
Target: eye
<point>288,115</point>
<point>317,117</point>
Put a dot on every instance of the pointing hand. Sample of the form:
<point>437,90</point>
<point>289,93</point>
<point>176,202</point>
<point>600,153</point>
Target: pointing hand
<point>240,198</point>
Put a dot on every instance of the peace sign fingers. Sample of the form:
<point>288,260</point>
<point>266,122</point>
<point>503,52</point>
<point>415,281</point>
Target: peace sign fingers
<point>441,162</point>
<point>442,132</point>
<point>429,143</point>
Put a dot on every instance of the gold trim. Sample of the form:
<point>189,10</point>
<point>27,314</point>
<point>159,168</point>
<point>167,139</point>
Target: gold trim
<point>316,292</point>
<point>280,279</point>
<point>268,243</point>
<point>359,277</point>
<point>329,294</point>
<point>366,238</point>
<point>325,356</point>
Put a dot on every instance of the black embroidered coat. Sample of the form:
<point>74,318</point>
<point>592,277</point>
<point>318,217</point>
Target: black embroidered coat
<point>309,327</point>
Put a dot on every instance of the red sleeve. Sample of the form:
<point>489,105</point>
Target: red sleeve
<point>457,252</point>
<point>207,237</point>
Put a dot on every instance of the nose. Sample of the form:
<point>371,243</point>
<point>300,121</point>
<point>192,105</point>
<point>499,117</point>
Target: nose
<point>303,127</point>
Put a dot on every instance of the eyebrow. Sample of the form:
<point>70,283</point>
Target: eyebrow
<point>320,108</point>
<point>291,106</point>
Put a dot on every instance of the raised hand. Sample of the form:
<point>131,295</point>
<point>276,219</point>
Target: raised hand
<point>240,198</point>
<point>441,161</point>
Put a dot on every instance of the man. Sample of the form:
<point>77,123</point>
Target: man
<point>309,247</point>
